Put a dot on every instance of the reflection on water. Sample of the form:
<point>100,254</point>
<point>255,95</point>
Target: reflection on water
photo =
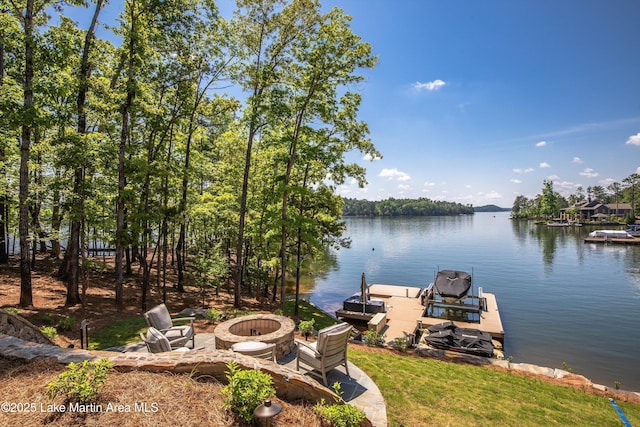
<point>561,300</point>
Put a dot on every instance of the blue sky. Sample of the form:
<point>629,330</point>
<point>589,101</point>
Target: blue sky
<point>480,101</point>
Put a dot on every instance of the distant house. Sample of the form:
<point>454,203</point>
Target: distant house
<point>594,211</point>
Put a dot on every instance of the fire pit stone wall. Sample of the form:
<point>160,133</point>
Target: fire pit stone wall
<point>268,328</point>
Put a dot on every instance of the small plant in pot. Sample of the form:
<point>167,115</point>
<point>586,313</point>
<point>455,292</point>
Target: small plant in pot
<point>306,328</point>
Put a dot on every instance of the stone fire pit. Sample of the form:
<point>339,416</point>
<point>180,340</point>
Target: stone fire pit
<point>267,328</point>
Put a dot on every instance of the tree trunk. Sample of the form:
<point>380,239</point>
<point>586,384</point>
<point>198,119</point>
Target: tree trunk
<point>72,256</point>
<point>124,136</point>
<point>4,250</point>
<point>26,296</point>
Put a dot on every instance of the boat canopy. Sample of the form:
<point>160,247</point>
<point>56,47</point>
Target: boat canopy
<point>453,283</point>
<point>617,234</point>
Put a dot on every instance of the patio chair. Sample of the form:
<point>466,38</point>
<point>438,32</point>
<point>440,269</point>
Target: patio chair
<point>158,343</point>
<point>328,352</point>
<point>159,318</point>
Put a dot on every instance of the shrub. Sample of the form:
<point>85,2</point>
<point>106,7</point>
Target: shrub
<point>213,315</point>
<point>11,310</point>
<point>47,319</point>
<point>339,415</point>
<point>67,324</point>
<point>247,389</point>
<point>49,331</point>
<point>374,339</point>
<point>81,382</point>
<point>306,327</point>
<point>401,344</point>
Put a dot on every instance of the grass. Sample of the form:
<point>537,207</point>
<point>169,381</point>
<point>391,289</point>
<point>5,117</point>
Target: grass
<point>421,391</point>
<point>308,311</point>
<point>118,333</point>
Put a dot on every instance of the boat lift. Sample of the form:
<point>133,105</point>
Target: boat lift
<point>451,296</point>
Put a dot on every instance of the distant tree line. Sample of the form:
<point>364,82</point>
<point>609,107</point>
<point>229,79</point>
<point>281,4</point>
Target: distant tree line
<point>403,207</point>
<point>548,203</point>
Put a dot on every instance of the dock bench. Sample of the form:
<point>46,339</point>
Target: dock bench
<point>377,322</point>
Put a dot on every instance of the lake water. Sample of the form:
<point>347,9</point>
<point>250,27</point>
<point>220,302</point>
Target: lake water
<point>563,302</point>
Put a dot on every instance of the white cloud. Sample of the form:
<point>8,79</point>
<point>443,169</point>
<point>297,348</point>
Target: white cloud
<point>541,144</point>
<point>516,181</point>
<point>607,181</point>
<point>404,186</point>
<point>634,139</point>
<point>429,184</point>
<point>430,86</point>
<point>394,174</point>
<point>545,165</point>
<point>589,173</point>
<point>519,170</point>
<point>577,160</point>
<point>553,177</point>
<point>368,157</point>
<point>492,195</point>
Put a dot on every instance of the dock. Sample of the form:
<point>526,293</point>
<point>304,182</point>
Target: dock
<point>614,240</point>
<point>405,313</point>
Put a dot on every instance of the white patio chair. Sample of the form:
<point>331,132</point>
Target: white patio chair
<point>328,352</point>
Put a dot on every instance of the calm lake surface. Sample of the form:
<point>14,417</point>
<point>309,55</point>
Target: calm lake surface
<point>561,300</point>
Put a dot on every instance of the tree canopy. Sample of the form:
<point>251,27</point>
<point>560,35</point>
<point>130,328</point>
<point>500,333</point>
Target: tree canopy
<point>199,145</point>
<point>404,207</point>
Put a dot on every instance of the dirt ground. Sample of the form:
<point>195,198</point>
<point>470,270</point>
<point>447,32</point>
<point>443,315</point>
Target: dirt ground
<point>49,295</point>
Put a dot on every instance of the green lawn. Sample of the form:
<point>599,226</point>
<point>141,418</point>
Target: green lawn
<point>429,392</point>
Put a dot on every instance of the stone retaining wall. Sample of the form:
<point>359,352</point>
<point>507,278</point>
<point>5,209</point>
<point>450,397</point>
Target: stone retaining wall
<point>290,385</point>
<point>17,326</point>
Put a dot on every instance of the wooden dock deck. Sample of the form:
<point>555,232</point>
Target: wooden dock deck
<point>405,313</point>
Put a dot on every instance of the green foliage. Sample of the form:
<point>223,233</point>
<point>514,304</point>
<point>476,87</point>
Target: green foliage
<point>47,319</point>
<point>213,315</point>
<point>49,331</point>
<point>67,323</point>
<point>401,344</point>
<point>339,415</point>
<point>80,383</point>
<point>306,327</point>
<point>247,389</point>
<point>403,207</point>
<point>13,310</point>
<point>374,338</point>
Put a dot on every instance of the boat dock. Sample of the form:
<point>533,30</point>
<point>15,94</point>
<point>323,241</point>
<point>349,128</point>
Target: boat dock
<point>615,240</point>
<point>405,313</point>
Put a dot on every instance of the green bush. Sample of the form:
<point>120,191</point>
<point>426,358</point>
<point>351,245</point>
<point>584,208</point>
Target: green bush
<point>49,331</point>
<point>401,344</point>
<point>47,319</point>
<point>67,323</point>
<point>247,389</point>
<point>306,327</point>
<point>339,415</point>
<point>11,310</point>
<point>213,315</point>
<point>374,339</point>
<point>80,383</point>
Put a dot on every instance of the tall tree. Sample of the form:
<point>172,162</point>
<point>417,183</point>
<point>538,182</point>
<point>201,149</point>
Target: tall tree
<point>266,30</point>
<point>326,59</point>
